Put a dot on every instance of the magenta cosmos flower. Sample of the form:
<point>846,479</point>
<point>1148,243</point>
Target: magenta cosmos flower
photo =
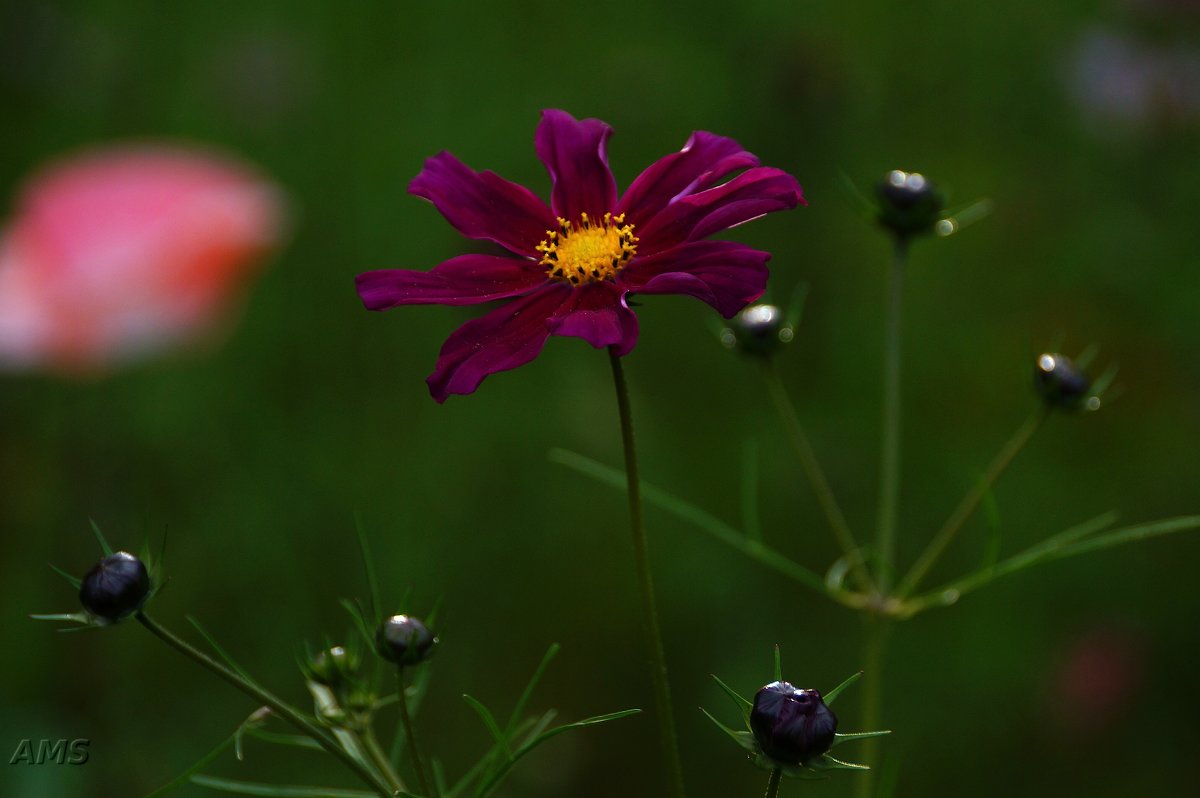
<point>577,261</point>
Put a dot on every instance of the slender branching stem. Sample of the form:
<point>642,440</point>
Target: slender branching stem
<point>662,688</point>
<point>414,753</point>
<point>969,502</point>
<point>889,478</point>
<point>773,783</point>
<point>816,475</point>
<point>277,705</point>
<point>876,631</point>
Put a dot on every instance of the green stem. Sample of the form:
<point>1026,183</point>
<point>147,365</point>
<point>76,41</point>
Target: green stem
<point>371,744</point>
<point>773,783</point>
<point>876,630</point>
<point>816,476</point>
<point>969,502</point>
<point>277,705</point>
<point>889,481</point>
<point>413,752</point>
<point>658,661</point>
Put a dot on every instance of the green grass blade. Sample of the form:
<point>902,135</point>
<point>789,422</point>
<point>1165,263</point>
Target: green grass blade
<point>186,775</point>
<point>523,701</point>
<point>281,790</point>
<point>495,779</point>
<point>221,652</point>
<point>104,547</point>
<point>1129,534</point>
<point>778,665</point>
<point>837,691</point>
<point>699,518</point>
<point>489,720</point>
<point>364,548</point>
<point>750,517</point>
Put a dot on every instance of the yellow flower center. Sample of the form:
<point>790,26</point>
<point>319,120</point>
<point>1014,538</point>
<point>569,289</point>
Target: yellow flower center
<point>588,251</point>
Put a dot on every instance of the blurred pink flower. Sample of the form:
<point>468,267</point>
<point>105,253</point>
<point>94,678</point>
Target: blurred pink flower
<point>124,252</point>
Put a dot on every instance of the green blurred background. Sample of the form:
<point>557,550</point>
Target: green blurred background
<point>255,456</point>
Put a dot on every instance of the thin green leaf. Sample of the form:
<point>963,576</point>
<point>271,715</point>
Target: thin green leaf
<point>826,762</point>
<point>959,219</point>
<point>540,726</point>
<point>795,309</point>
<point>839,738</point>
<point>991,514</point>
<point>489,720</point>
<point>523,701</point>
<point>750,518</point>
<point>696,516</point>
<point>743,704</point>
<point>282,790</point>
<point>865,207</point>
<point>279,738</point>
<point>75,617</point>
<point>104,547</point>
<point>255,719</point>
<point>1131,534</point>
<point>778,665</point>
<point>743,738</point>
<point>835,692</point>
<point>494,780</point>
<point>360,622</point>
<point>1077,540</point>
<point>74,581</point>
<point>439,776</point>
<point>203,762</point>
<point>212,641</point>
<point>369,566</point>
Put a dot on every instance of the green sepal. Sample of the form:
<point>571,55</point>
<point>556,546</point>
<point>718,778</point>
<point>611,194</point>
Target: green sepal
<point>826,762</point>
<point>73,581</point>
<point>743,738</point>
<point>839,738</point>
<point>744,705</point>
<point>835,692</point>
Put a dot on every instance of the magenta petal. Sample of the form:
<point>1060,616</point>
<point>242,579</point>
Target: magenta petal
<point>574,152</point>
<point>705,160</point>
<point>597,313</point>
<point>484,205</point>
<point>465,280</point>
<point>752,194</point>
<point>509,336</point>
<point>724,274</point>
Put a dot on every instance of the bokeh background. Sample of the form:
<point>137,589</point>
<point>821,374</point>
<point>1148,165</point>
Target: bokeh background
<point>1080,121</point>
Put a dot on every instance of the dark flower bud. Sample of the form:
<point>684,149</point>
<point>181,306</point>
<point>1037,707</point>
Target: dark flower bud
<point>1060,382</point>
<point>404,640</point>
<point>909,204</point>
<point>117,587</point>
<point>758,330</point>
<point>792,725</point>
<point>332,666</point>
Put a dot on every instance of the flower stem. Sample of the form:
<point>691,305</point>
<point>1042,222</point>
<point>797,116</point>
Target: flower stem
<point>889,482</point>
<point>816,476</point>
<point>969,502</point>
<point>876,630</point>
<point>371,744</point>
<point>658,661</point>
<point>413,752</point>
<point>773,783</point>
<point>277,705</point>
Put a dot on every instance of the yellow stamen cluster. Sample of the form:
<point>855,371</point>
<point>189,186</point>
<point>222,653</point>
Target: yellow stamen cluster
<point>588,251</point>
